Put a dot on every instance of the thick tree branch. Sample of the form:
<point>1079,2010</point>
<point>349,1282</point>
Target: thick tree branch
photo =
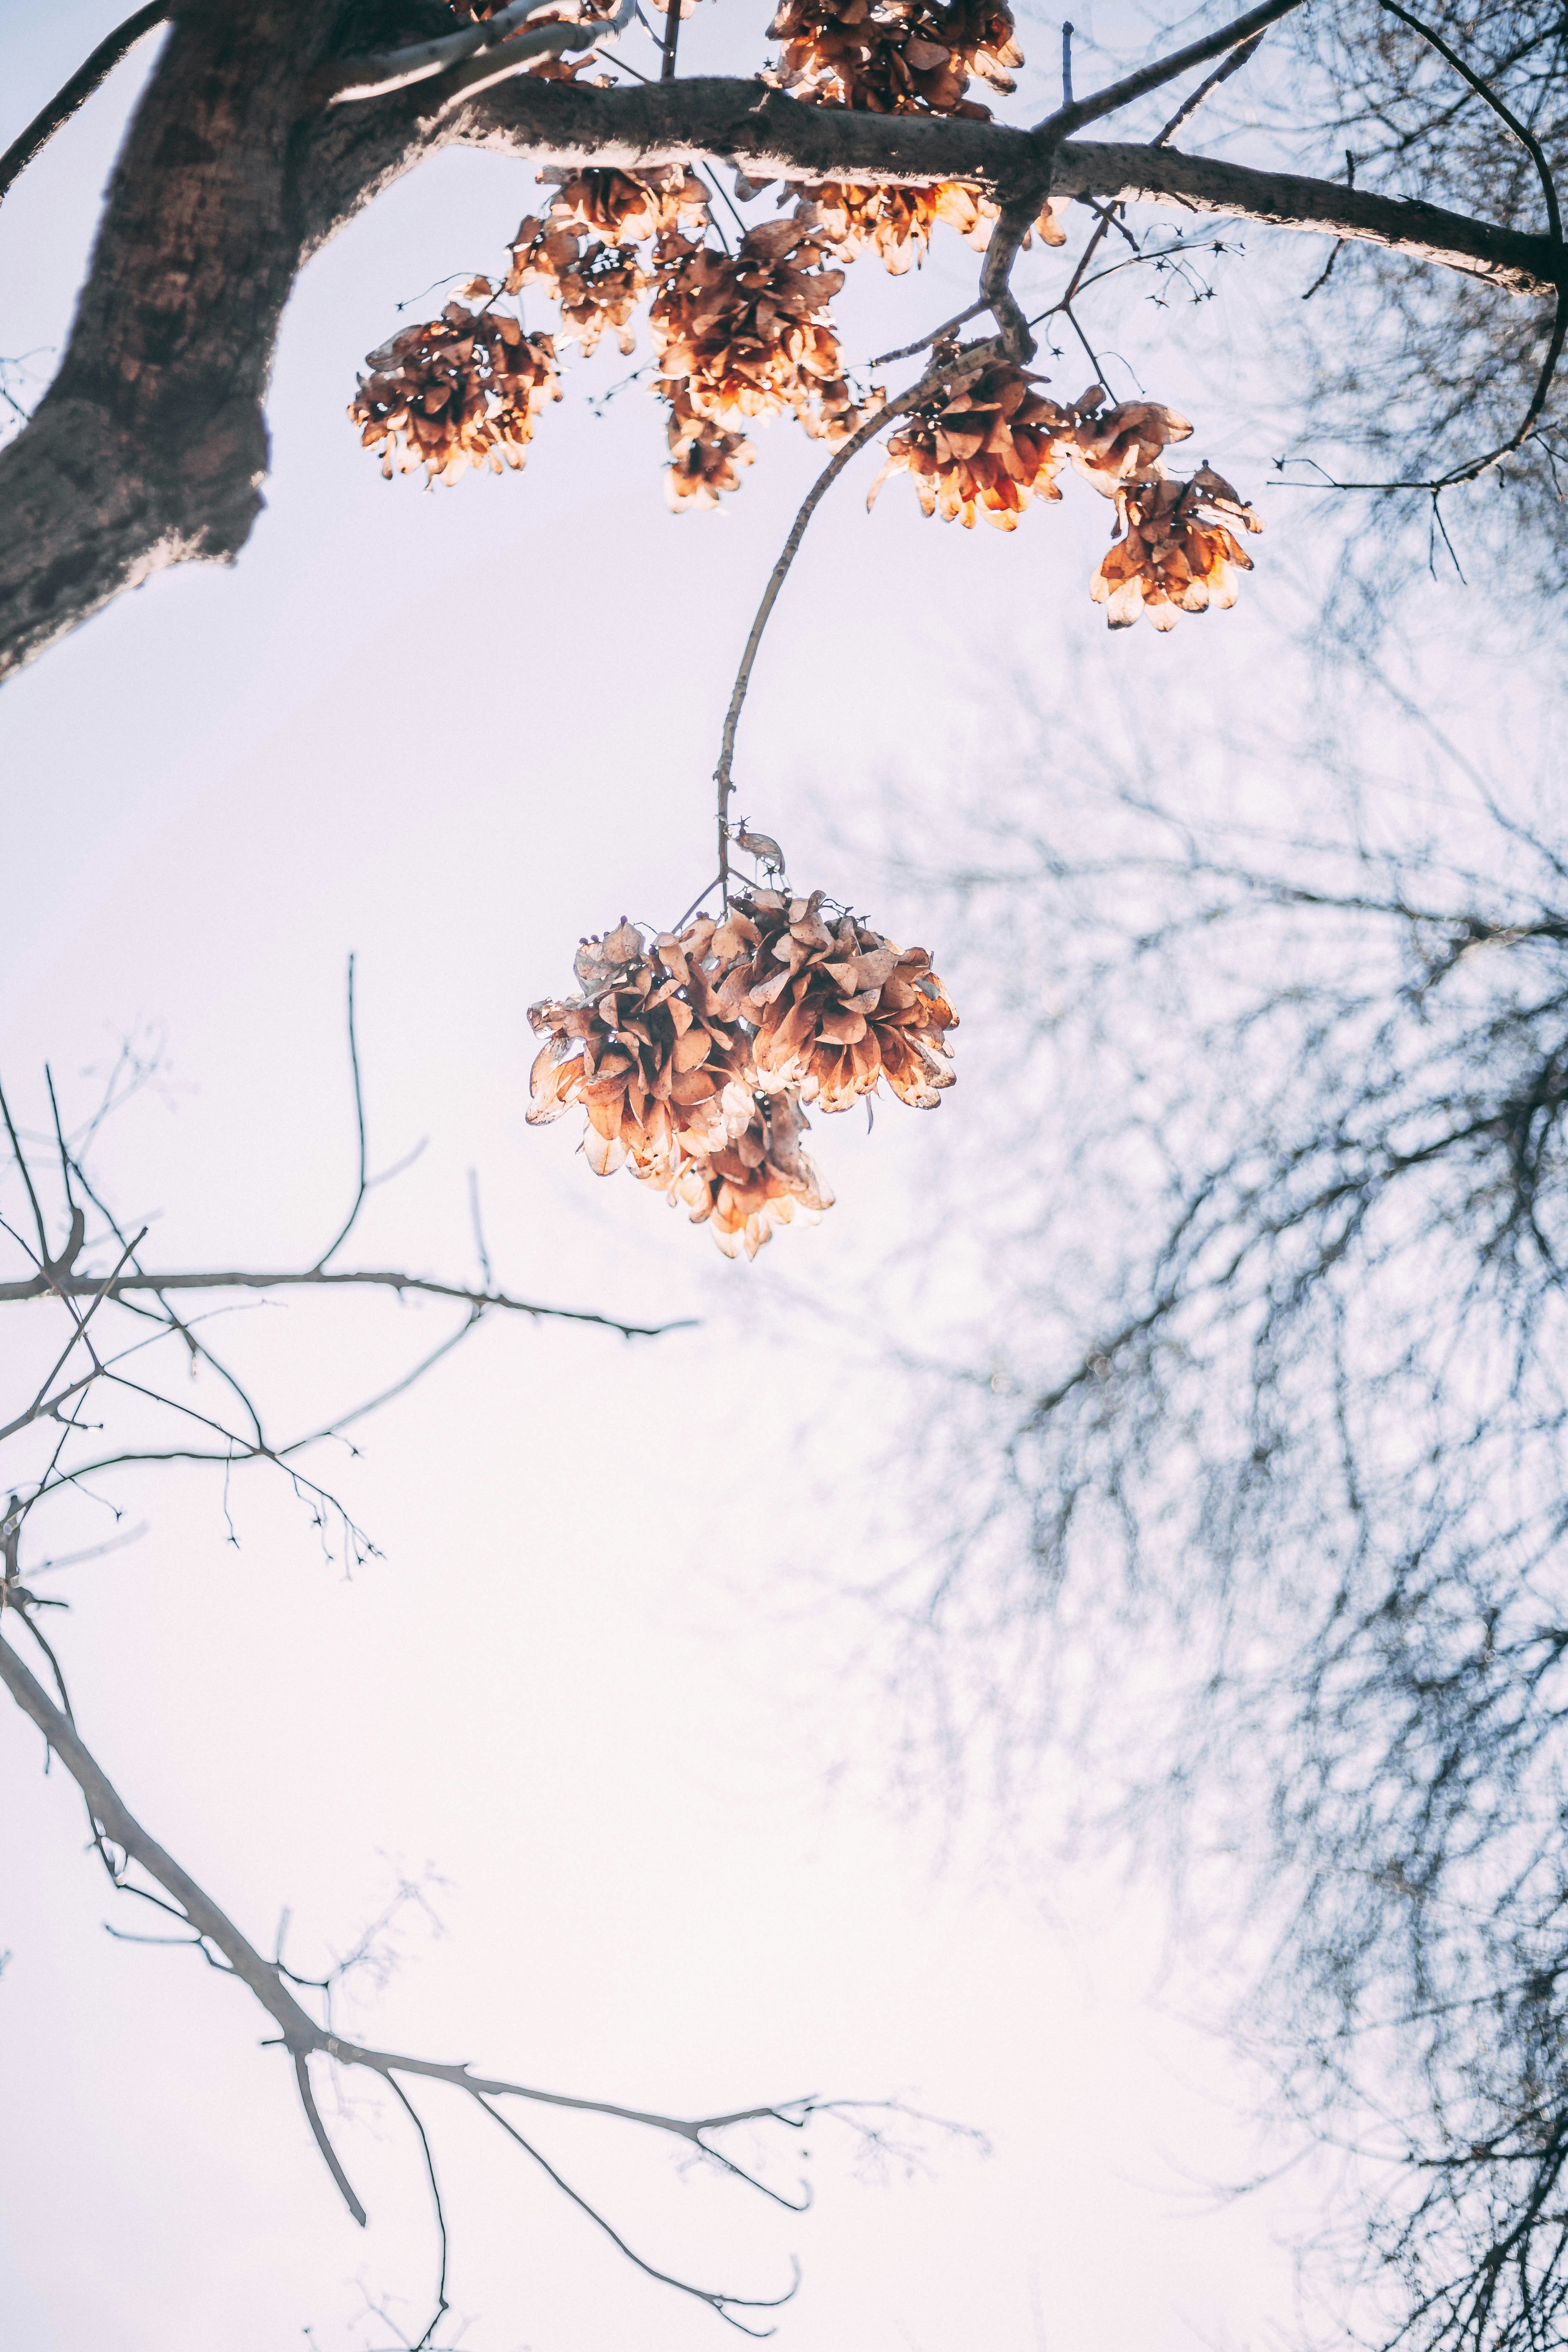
<point>150,446</point>
<point>745,123</point>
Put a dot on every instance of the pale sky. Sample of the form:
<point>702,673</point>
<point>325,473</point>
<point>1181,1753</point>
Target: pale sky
<point>450,733</point>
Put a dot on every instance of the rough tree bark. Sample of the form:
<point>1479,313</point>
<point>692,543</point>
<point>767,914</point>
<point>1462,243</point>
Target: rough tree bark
<point>149,447</point>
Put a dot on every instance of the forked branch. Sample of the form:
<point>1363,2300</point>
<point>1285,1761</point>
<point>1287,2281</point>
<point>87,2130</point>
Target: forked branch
<point>301,2036</point>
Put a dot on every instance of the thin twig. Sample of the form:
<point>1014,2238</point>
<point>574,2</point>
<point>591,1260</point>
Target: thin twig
<point>319,2131</point>
<point>1118,94</point>
<point>361,1189</point>
<point>671,39</point>
<point>1483,90</point>
<point>81,1286</point>
<point>968,361</point>
<point>441,2304</point>
<point>937,335</point>
<point>90,75</point>
<point>1223,72</point>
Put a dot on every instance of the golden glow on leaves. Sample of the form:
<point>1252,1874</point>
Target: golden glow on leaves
<point>748,334</point>
<point>895,56</point>
<point>456,392</point>
<point>692,1056</point>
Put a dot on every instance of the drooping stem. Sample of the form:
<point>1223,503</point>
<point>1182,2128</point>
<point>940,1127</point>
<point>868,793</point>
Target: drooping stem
<point>968,361</point>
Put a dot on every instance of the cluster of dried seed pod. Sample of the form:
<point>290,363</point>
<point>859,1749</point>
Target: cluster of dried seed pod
<point>582,250</point>
<point>1177,552</point>
<point>986,447</point>
<point>748,334</point>
<point>693,1053</point>
<point>705,459</point>
<point>459,391</point>
<point>989,443</point>
<point>895,56</point>
<point>896,224</point>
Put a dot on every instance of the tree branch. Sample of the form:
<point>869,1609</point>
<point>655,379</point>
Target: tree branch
<point>85,1286</point>
<point>88,77</point>
<point>302,2037</point>
<point>150,446</point>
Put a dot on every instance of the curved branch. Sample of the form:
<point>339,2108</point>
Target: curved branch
<point>973,357</point>
<point>150,446</point>
<point>302,2037</point>
<point>319,2133</point>
<point>1483,90</point>
<point>88,76</point>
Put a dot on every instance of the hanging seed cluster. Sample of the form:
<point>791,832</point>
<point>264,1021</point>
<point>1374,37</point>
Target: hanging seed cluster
<point>993,444</point>
<point>692,1056</point>
<point>582,250</point>
<point>705,459</point>
<point>895,56</point>
<point>461,390</point>
<point>1178,551</point>
<point>896,224</point>
<point>749,335</point>
<point>836,1007</point>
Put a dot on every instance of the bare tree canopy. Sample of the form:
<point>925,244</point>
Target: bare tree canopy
<point>1268,1393</point>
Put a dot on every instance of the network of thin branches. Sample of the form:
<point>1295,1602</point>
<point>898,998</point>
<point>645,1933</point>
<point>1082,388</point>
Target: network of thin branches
<point>97,1408</point>
<point>1265,1432</point>
<point>1406,373</point>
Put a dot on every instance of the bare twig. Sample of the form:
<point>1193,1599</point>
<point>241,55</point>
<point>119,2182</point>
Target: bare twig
<point>1118,94</point>
<point>332,1247</point>
<point>671,41</point>
<point>1223,72</point>
<point>90,75</point>
<point>122,1285</point>
<point>319,2133</point>
<point>968,361</point>
<point>302,2037</point>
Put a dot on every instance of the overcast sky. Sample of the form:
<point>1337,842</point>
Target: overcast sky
<point>450,733</point>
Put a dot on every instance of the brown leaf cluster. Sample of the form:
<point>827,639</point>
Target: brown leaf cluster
<point>705,459</point>
<point>456,392</point>
<point>985,449</point>
<point>763,1179</point>
<point>693,1055</point>
<point>645,1050</point>
<point>1177,551</point>
<point>896,224</point>
<point>836,1007</point>
<point>748,334</point>
<point>895,56</point>
<point>582,250</point>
